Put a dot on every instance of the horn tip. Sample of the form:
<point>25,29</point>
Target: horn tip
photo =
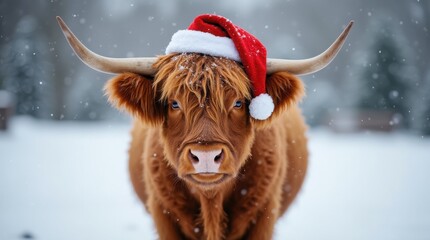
<point>350,24</point>
<point>61,23</point>
<point>59,19</point>
<point>64,27</point>
<point>348,28</point>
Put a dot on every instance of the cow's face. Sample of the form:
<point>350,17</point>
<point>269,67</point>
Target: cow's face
<point>201,102</point>
<point>207,130</point>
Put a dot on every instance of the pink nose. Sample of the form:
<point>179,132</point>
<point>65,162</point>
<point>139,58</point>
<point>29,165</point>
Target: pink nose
<point>206,161</point>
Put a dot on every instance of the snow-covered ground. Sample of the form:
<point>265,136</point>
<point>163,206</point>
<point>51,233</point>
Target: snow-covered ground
<point>61,181</point>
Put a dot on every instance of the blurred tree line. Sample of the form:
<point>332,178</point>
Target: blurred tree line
<point>388,80</point>
<point>383,68</point>
<point>394,79</point>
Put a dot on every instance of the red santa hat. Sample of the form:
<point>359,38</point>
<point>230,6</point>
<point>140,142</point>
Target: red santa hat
<point>217,36</point>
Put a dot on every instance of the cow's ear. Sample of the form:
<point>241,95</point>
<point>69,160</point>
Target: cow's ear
<point>285,89</point>
<point>135,94</point>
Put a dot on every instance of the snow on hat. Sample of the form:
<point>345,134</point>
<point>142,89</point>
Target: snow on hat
<point>217,36</point>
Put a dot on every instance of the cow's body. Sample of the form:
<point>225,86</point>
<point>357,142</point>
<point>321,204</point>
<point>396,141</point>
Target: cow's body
<point>267,183</point>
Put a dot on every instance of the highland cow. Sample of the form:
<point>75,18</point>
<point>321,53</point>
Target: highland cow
<point>218,145</point>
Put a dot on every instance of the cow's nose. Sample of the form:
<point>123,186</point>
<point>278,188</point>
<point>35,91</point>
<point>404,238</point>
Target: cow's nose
<point>206,161</point>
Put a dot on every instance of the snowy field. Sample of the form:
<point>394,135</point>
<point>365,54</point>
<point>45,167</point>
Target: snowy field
<point>68,181</point>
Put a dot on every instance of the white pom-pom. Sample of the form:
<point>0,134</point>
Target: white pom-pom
<point>261,107</point>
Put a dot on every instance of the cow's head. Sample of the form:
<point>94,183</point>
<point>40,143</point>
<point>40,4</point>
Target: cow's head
<point>201,104</point>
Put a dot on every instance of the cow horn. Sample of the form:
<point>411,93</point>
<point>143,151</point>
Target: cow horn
<point>310,65</point>
<point>105,64</point>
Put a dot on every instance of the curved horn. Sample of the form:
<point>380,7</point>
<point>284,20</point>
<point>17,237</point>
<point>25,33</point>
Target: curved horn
<point>105,64</point>
<point>310,65</point>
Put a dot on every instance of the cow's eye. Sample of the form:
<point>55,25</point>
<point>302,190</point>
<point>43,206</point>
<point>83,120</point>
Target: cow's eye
<point>238,104</point>
<point>175,105</point>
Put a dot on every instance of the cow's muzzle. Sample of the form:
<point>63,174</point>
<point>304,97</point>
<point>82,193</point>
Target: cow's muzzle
<point>207,164</point>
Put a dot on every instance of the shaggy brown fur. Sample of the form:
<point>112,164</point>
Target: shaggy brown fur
<point>263,164</point>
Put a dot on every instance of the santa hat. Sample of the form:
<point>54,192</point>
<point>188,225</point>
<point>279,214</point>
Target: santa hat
<point>217,36</point>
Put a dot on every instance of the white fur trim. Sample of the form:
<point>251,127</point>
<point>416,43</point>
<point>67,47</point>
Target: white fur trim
<point>261,107</point>
<point>188,41</point>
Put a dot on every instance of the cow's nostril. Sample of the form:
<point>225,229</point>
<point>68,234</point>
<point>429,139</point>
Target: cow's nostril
<point>194,158</point>
<point>219,157</point>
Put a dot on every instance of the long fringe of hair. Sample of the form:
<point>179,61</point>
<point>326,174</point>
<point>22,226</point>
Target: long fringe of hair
<point>200,75</point>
